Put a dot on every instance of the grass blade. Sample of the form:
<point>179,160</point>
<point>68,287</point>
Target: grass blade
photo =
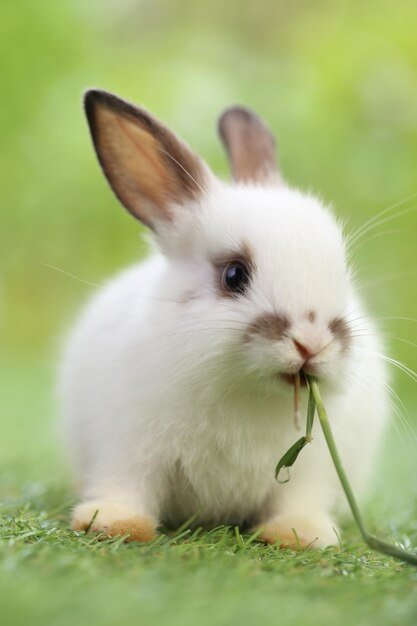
<point>372,541</point>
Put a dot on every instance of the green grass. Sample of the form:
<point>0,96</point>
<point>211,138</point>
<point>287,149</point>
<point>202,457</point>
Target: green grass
<point>209,578</point>
<point>51,575</point>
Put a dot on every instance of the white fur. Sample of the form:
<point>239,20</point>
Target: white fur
<point>170,410</point>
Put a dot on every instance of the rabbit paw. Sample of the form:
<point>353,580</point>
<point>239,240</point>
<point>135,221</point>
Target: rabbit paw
<point>113,519</point>
<point>300,531</point>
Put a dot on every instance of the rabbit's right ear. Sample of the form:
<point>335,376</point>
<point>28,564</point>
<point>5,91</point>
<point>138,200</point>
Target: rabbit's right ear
<point>149,169</point>
<point>250,146</point>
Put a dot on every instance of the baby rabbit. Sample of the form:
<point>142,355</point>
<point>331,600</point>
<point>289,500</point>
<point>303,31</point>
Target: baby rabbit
<point>176,383</point>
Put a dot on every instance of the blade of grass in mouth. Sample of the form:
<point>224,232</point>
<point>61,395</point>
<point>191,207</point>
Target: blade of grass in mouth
<point>297,410</point>
<point>289,458</point>
<point>291,455</point>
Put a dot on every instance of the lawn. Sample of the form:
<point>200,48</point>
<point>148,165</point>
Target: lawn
<point>337,82</point>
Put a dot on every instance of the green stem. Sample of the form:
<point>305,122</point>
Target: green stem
<point>310,414</point>
<point>371,540</point>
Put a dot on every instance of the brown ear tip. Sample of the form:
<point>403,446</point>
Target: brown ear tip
<point>238,111</point>
<point>234,114</point>
<point>90,99</point>
<point>96,96</point>
<point>95,99</point>
<point>240,119</point>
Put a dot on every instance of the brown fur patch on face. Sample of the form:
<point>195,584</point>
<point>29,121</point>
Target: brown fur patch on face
<point>341,331</point>
<point>243,255</point>
<point>270,326</point>
<point>311,316</point>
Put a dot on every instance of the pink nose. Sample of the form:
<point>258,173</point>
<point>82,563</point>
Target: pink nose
<point>305,351</point>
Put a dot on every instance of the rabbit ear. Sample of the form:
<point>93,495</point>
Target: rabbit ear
<point>148,167</point>
<point>250,146</point>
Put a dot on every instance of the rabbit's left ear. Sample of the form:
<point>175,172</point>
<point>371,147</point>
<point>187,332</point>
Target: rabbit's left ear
<point>149,168</point>
<point>250,146</point>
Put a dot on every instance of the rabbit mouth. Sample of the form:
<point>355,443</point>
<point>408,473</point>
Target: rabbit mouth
<point>290,379</point>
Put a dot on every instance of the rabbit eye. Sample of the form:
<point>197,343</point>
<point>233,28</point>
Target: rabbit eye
<point>236,277</point>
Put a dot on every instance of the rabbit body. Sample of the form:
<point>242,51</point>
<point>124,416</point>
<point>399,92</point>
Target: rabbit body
<point>173,389</point>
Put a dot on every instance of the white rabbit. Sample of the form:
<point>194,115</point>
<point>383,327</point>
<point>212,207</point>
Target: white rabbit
<point>176,382</point>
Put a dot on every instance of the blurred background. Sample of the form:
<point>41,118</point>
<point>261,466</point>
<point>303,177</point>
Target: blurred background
<point>337,82</point>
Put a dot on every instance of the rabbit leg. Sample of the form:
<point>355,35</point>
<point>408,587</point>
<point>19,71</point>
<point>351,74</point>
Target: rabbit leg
<point>113,517</point>
<point>300,530</point>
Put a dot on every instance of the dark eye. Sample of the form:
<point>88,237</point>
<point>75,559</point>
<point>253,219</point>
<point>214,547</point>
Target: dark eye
<point>236,277</point>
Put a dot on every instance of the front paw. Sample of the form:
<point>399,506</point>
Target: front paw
<point>113,519</point>
<point>300,531</point>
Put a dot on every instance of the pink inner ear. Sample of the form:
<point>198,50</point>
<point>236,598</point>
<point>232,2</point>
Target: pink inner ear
<point>133,165</point>
<point>147,166</point>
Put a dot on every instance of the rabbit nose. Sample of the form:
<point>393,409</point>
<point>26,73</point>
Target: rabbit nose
<point>306,352</point>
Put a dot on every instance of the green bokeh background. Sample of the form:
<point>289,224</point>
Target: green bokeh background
<point>336,80</point>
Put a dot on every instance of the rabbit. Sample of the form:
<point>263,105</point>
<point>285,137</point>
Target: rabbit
<point>176,384</point>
